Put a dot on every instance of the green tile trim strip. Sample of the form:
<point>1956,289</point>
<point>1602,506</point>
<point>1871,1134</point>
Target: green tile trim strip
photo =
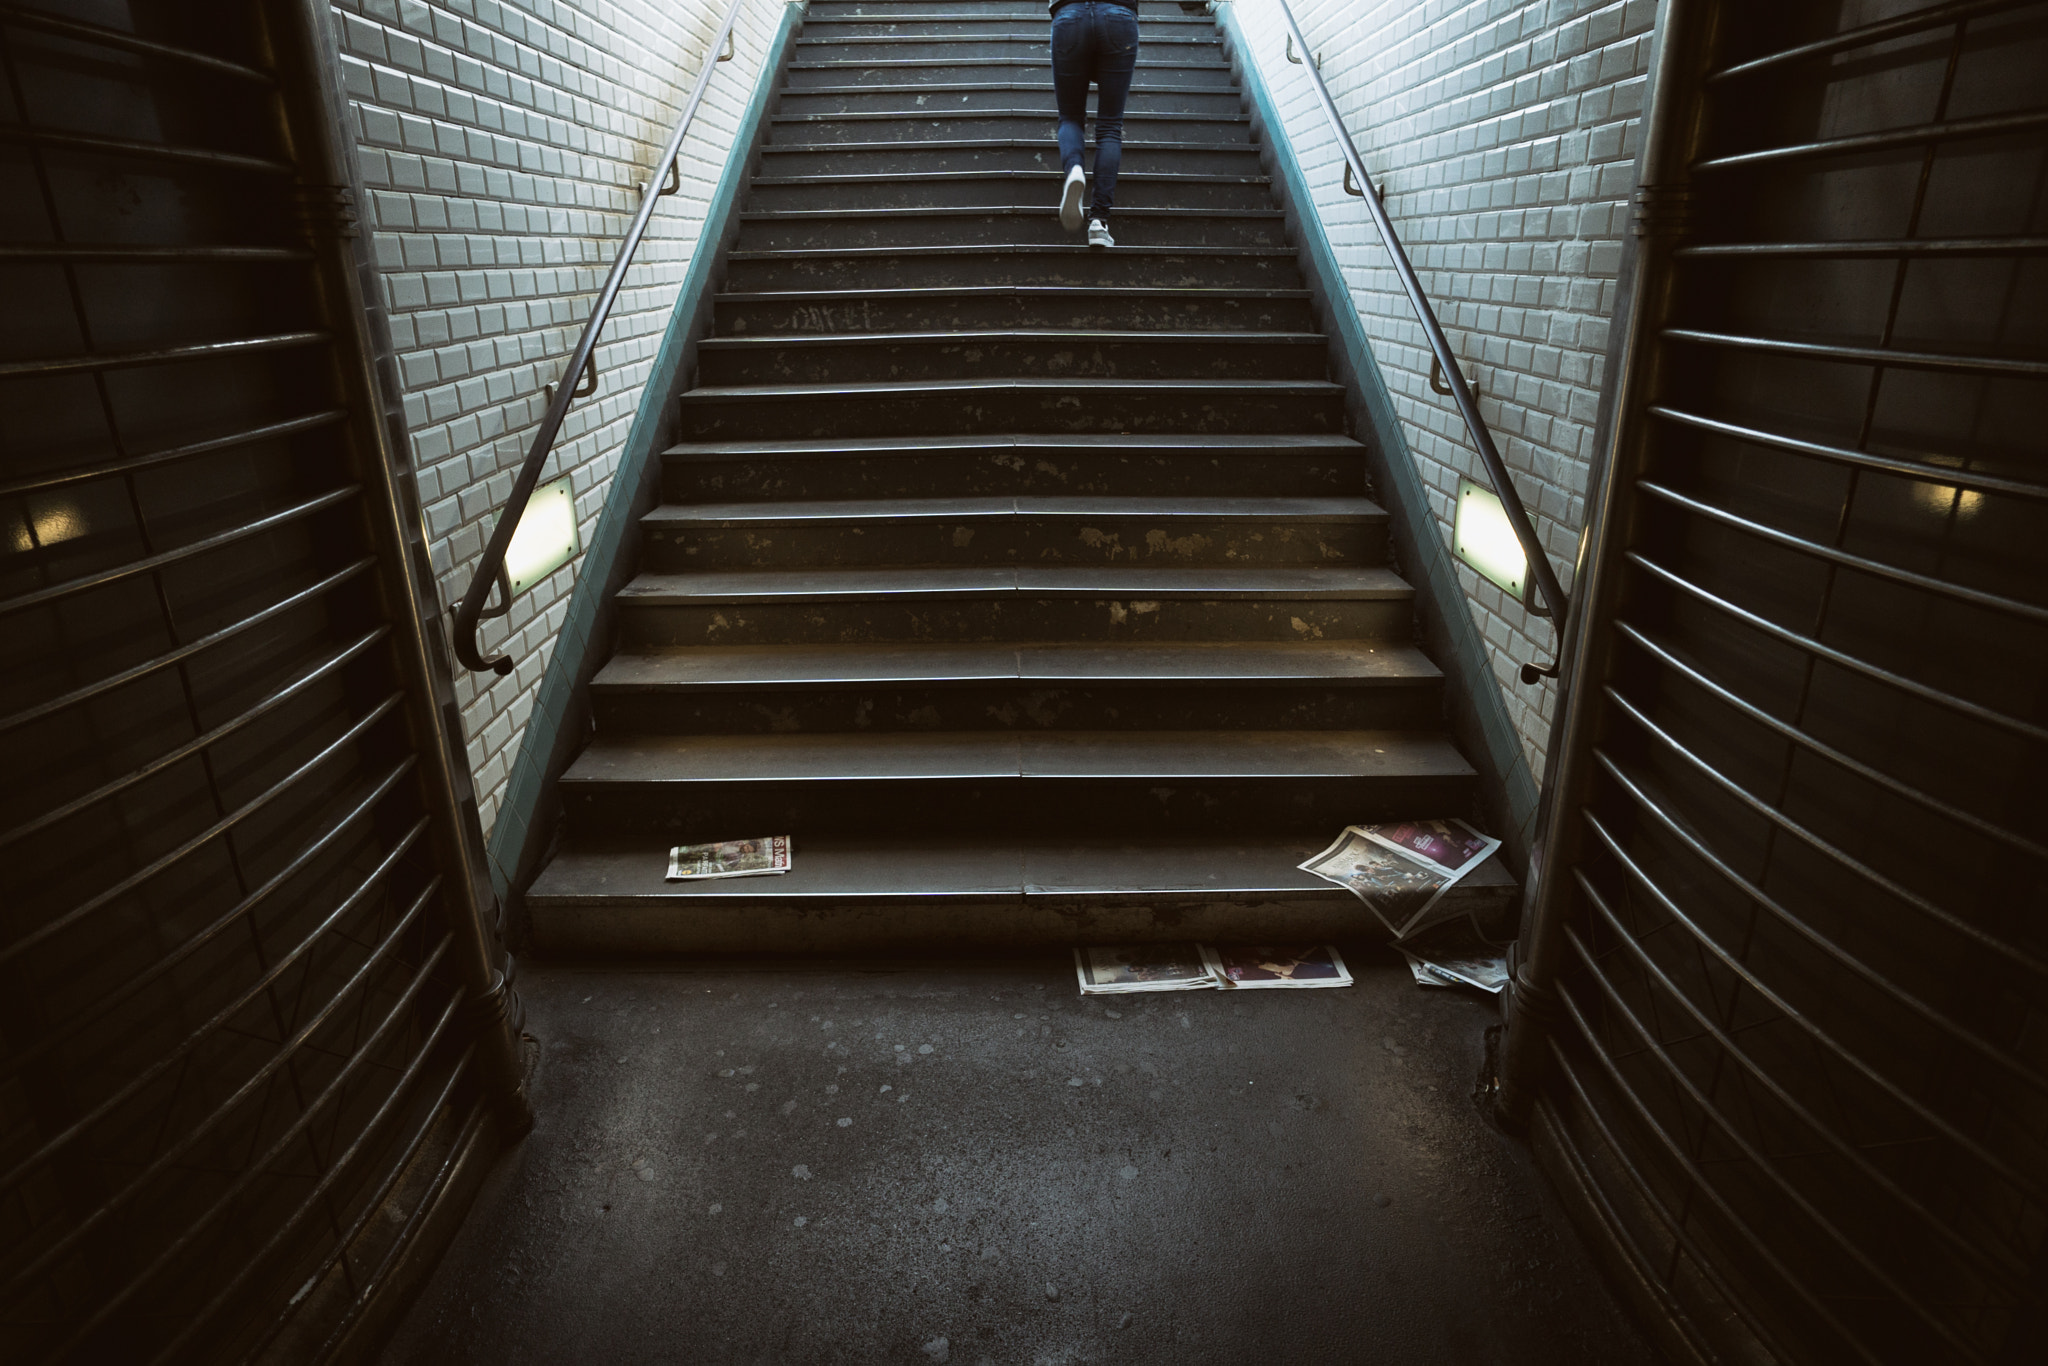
<point>1477,714</point>
<point>555,728</point>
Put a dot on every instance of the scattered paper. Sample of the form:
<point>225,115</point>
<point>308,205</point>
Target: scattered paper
<point>729,858</point>
<point>1453,954</point>
<point>1402,869</point>
<point>1142,967</point>
<point>1258,968</point>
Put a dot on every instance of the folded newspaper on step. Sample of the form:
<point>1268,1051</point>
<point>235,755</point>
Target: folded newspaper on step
<point>729,858</point>
<point>1114,970</point>
<point>1401,869</point>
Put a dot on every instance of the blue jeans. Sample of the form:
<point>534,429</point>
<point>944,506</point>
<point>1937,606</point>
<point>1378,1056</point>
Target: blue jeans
<point>1094,42</point>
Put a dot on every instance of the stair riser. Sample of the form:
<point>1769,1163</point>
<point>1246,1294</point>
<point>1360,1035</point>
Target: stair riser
<point>898,69</point>
<point>1028,154</point>
<point>1071,264</point>
<point>1161,98</point>
<point>950,413</point>
<point>1155,542</point>
<point>1155,228</point>
<point>1010,45</point>
<point>723,711</point>
<point>966,474</point>
<point>682,812</point>
<point>1029,11</point>
<point>1010,617</point>
<point>971,22</point>
<point>923,127</point>
<point>869,313</point>
<point>1037,189</point>
<point>863,362</point>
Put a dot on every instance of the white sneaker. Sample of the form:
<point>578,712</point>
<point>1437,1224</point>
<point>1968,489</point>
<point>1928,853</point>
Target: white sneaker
<point>1070,199</point>
<point>1098,234</point>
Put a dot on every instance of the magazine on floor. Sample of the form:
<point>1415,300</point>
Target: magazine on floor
<point>1401,869</point>
<point>1453,954</point>
<point>1241,967</point>
<point>1113,970</point>
<point>729,858</point>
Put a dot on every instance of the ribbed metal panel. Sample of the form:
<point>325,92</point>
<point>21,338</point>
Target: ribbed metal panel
<point>1790,955</point>
<point>242,990</point>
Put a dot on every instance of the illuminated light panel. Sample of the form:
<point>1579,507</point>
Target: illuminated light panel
<point>1483,539</point>
<point>545,539</point>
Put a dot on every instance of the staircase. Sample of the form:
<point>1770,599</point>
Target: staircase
<point>1033,589</point>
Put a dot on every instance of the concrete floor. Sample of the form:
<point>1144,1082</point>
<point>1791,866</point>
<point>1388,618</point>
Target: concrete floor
<point>800,1162</point>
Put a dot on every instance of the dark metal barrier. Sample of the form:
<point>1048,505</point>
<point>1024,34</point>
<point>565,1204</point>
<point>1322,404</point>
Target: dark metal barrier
<point>249,984</point>
<point>1780,1009</point>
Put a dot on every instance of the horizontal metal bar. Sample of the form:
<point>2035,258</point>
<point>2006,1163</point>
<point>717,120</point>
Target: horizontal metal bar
<point>136,464</point>
<point>196,743</point>
<point>1877,568</point>
<point>1890,886</point>
<point>2004,1275</point>
<point>220,827</point>
<point>1659,1277</point>
<point>1758,1162</point>
<point>162,355</point>
<point>112,255</point>
<point>1843,455</point>
<point>129,42</point>
<point>1877,248</point>
<point>1698,1179</point>
<point>205,157</point>
<point>371,1206</point>
<point>1854,965</point>
<point>1991,125</point>
<point>421,1209</point>
<point>150,563</point>
<point>69,1027</point>
<point>1865,35</point>
<point>1946,810</point>
<point>185,651</point>
<point>165,1061</point>
<point>401,1010</point>
<point>1834,656</point>
<point>1867,355</point>
<point>2022,1183</point>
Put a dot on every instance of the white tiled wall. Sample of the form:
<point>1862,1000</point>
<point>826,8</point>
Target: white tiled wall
<point>502,141</point>
<point>1503,133</point>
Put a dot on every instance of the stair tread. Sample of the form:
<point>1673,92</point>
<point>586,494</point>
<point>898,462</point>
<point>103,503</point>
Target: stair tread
<point>935,177</point>
<point>1034,144</point>
<point>920,755</point>
<point>1112,581</point>
<point>988,248</point>
<point>858,869</point>
<point>1020,505</point>
<point>931,113</point>
<point>989,335</point>
<point>1190,293</point>
<point>1006,210</point>
<point>1048,663</point>
<point>855,446</point>
<point>874,388</point>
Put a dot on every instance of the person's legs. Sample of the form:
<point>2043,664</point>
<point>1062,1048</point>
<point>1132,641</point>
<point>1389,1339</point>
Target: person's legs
<point>1116,54</point>
<point>1070,71</point>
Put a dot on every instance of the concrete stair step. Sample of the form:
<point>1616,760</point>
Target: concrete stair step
<point>1209,464</point>
<point>1051,685</point>
<point>964,25</point>
<point>1178,156</point>
<point>1039,189</point>
<point>980,266</point>
<point>968,308</point>
<point>1096,603</point>
<point>908,892</point>
<point>1014,529</point>
<point>1168,43</point>
<point>1199,66</point>
<point>1104,783</point>
<point>953,407</point>
<point>856,358</point>
<point>1001,225</point>
<point>1030,11</point>
<point>1148,96</point>
<point>913,124</point>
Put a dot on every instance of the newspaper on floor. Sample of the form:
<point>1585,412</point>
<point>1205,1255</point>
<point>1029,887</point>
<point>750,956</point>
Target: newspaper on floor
<point>729,858</point>
<point>1259,967</point>
<point>1453,954</point>
<point>1109,971</point>
<point>1401,869</point>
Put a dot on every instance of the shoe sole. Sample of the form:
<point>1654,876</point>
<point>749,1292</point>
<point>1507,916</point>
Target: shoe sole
<point>1070,204</point>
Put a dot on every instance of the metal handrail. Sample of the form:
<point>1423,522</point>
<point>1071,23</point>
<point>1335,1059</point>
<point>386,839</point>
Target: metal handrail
<point>662,180</point>
<point>1359,185</point>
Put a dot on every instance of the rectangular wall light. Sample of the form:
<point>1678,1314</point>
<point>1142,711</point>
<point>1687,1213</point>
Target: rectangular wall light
<point>545,539</point>
<point>1482,538</point>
